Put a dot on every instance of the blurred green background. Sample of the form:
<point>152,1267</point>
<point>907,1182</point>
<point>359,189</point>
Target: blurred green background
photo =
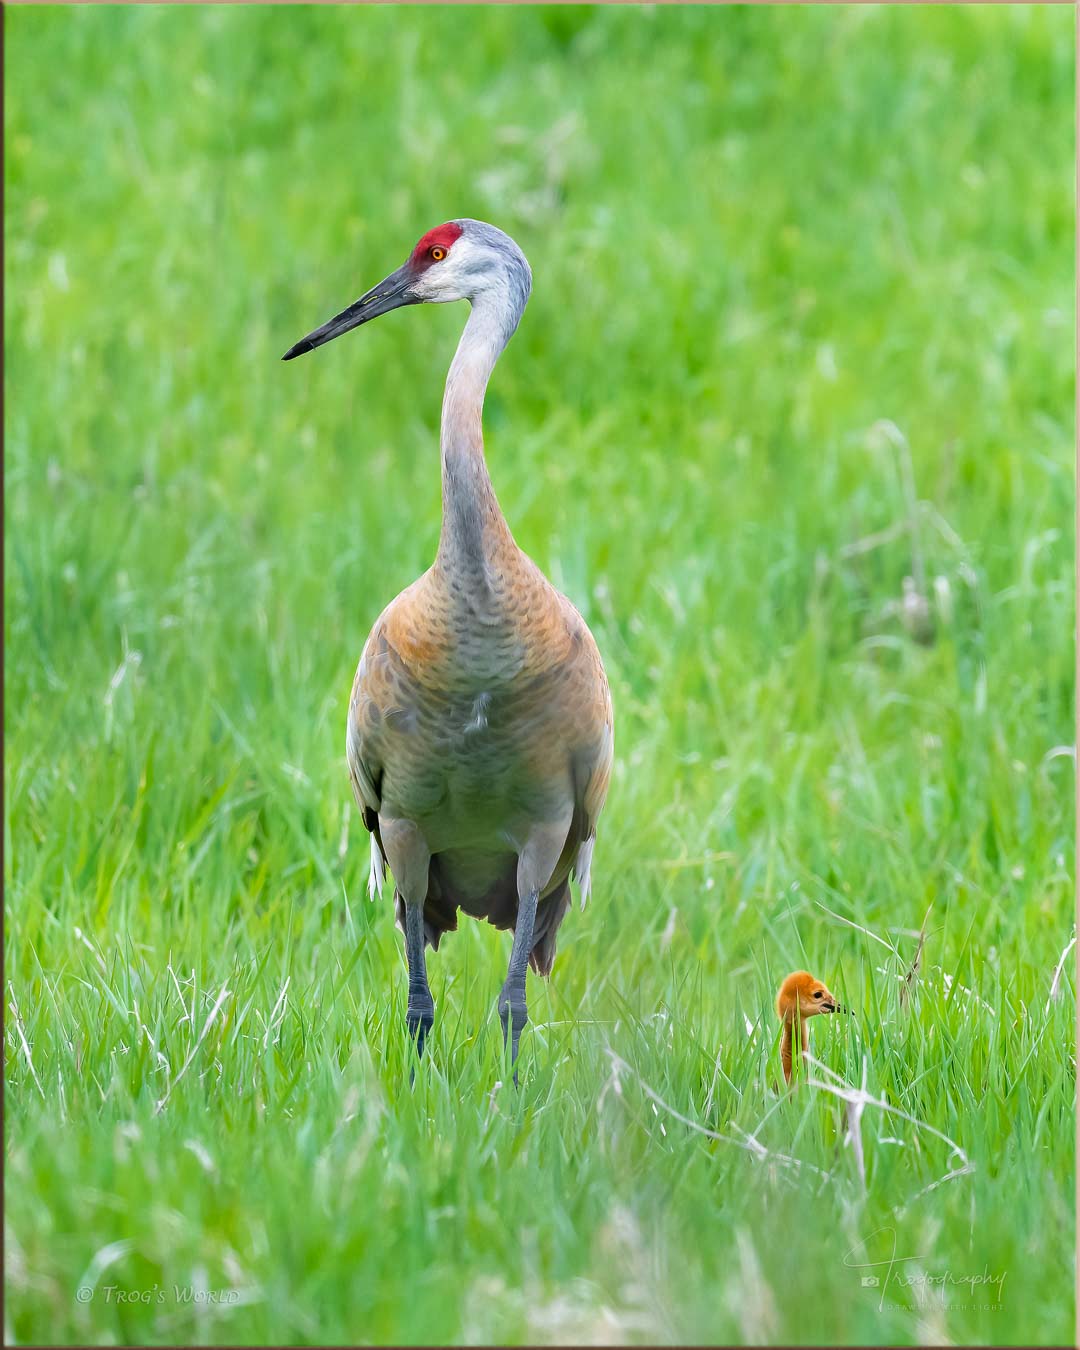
<point>790,418</point>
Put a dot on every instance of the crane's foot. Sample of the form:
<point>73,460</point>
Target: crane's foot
<point>420,1019</point>
<point>420,1014</point>
<point>514,1015</point>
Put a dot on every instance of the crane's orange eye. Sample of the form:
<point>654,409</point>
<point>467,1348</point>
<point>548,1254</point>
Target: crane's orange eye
<point>438,253</point>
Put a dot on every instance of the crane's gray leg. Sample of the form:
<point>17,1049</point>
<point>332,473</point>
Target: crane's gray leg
<point>409,858</point>
<point>420,1017</point>
<point>513,1009</point>
<point>536,863</point>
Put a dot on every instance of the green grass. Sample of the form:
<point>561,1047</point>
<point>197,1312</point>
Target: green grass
<point>781,258</point>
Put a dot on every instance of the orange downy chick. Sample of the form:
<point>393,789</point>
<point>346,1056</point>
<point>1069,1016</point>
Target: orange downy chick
<point>801,996</point>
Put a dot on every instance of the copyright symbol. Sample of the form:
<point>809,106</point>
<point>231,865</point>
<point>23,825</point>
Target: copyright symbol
<point>84,1293</point>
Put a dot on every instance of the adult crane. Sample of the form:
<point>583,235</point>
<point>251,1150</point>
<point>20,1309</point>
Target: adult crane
<point>480,729</point>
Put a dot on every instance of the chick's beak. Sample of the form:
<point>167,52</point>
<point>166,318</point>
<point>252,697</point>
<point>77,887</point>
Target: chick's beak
<point>391,293</point>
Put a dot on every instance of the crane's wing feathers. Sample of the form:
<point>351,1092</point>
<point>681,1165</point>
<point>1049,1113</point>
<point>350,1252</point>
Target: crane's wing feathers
<point>590,800</point>
<point>365,775</point>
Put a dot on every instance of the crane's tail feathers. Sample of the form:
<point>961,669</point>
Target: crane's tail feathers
<point>551,913</point>
<point>583,868</point>
<point>435,923</point>
<point>377,873</point>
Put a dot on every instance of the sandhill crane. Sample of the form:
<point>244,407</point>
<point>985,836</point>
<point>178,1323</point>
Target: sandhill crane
<point>480,731</point>
<point>800,997</point>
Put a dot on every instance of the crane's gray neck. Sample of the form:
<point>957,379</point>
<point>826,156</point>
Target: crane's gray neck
<point>474,531</point>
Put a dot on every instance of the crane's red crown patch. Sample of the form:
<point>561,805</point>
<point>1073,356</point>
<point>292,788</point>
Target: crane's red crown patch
<point>444,236</point>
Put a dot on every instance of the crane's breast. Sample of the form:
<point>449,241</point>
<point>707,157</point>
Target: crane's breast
<point>473,725</point>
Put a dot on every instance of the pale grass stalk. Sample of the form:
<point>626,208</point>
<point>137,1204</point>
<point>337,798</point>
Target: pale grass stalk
<point>274,1013</point>
<point>102,1259</point>
<point>914,969</point>
<point>860,1095</point>
<point>1057,974</point>
<point>14,1006</point>
<point>855,1111</point>
<point>194,1049</point>
<point>188,1016</point>
<point>748,1143</point>
<point>851,924</point>
<point>964,1171</point>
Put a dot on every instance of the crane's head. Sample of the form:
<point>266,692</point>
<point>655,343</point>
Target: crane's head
<point>803,996</point>
<point>461,260</point>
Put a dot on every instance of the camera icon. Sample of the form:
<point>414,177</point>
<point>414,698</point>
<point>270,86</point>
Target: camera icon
<point>870,1282</point>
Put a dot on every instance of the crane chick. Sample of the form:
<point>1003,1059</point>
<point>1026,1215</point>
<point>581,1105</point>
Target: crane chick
<point>801,996</point>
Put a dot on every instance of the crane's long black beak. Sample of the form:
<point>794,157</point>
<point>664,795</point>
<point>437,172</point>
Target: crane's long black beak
<point>381,299</point>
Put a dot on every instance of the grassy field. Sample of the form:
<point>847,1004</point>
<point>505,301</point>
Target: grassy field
<point>801,328</point>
